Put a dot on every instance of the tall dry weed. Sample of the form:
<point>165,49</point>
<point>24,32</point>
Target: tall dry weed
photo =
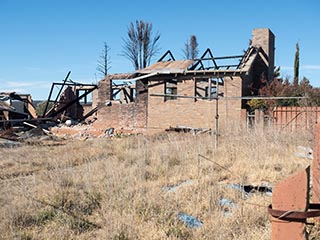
<point>134,187</point>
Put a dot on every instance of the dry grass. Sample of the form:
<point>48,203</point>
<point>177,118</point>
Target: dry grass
<point>114,188</point>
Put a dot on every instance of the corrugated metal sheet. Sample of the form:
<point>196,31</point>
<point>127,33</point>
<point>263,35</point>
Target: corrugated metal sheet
<point>165,67</point>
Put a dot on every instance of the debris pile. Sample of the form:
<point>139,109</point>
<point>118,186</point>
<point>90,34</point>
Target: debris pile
<point>246,190</point>
<point>189,220</point>
<point>28,135</point>
<point>15,108</point>
<point>186,129</point>
<point>60,115</point>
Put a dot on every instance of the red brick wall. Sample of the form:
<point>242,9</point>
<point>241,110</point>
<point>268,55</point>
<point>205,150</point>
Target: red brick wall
<point>188,112</point>
<point>104,93</point>
<point>154,114</point>
<point>130,117</point>
<point>122,117</point>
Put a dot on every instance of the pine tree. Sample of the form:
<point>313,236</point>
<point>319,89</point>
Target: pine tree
<point>296,66</point>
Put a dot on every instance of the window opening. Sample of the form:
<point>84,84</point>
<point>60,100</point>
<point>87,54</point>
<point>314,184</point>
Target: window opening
<point>171,89</point>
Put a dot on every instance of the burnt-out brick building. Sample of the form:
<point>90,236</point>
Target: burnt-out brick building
<point>190,93</point>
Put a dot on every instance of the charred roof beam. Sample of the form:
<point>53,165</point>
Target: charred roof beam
<point>166,54</point>
<point>51,91</point>
<point>53,114</point>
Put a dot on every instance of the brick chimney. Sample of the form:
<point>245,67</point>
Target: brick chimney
<point>264,38</point>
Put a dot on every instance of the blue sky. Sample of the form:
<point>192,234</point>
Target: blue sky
<point>41,40</point>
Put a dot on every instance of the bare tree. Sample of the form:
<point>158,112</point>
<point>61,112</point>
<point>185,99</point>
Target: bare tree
<point>140,45</point>
<point>191,50</point>
<point>105,60</point>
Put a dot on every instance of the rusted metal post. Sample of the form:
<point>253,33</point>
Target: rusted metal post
<point>217,117</point>
<point>316,165</point>
<point>290,197</point>
<point>217,124</point>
